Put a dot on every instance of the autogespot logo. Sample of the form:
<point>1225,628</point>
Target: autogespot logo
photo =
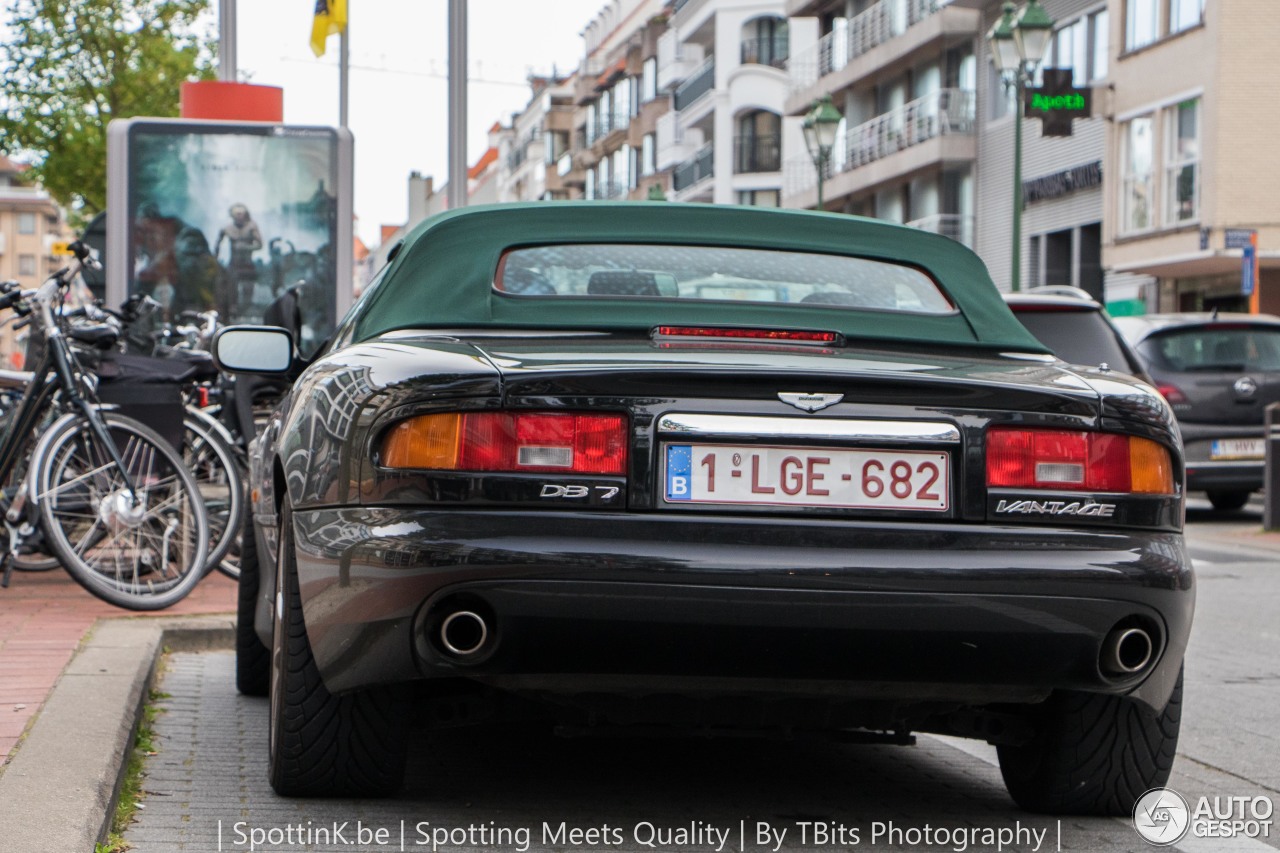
<point>1161,817</point>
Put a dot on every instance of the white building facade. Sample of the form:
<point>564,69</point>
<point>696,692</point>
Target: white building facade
<point>724,63</point>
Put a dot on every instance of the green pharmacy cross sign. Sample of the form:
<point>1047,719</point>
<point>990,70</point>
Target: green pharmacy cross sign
<point>1057,102</point>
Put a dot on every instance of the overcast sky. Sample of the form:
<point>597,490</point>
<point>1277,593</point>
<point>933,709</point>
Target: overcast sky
<point>399,59</point>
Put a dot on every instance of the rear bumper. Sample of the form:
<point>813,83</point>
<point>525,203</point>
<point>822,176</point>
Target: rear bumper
<point>1225,476</point>
<point>1206,473</point>
<point>969,614</point>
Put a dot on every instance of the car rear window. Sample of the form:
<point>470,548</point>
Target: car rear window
<point>1215,348</point>
<point>1078,337</point>
<point>637,271</point>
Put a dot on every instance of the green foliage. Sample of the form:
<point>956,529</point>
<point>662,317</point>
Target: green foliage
<point>70,66</point>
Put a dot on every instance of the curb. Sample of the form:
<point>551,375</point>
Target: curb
<point>58,792</point>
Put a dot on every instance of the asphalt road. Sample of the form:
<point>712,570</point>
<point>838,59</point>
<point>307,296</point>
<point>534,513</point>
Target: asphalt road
<point>206,788</point>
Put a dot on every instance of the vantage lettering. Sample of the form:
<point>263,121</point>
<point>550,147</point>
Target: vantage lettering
<point>1083,508</point>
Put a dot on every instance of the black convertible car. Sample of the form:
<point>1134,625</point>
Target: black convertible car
<point>682,466</point>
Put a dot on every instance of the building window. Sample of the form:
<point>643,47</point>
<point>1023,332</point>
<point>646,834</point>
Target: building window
<point>1182,163</point>
<point>1184,14</point>
<point>589,187</point>
<point>649,80</point>
<point>765,42</point>
<point>591,123</point>
<point>26,264</point>
<point>1081,46</point>
<point>1100,43</point>
<point>26,223</point>
<point>1136,178</point>
<point>648,162</point>
<point>758,144</point>
<point>759,198</point>
<point>1141,23</point>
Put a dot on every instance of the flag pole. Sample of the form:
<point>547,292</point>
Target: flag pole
<point>457,104</point>
<point>344,71</point>
<point>227,41</point>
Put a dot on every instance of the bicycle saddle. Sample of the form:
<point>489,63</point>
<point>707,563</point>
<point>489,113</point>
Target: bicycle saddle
<point>97,335</point>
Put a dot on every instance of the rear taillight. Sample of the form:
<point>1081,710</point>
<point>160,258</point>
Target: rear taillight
<point>1172,393</point>
<point>1068,460</point>
<point>565,442</point>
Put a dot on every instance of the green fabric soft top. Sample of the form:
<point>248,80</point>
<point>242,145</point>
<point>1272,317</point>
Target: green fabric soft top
<point>443,276</point>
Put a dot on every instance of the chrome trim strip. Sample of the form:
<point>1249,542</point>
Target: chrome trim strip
<point>677,423</point>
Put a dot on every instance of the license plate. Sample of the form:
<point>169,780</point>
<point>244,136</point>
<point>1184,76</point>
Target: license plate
<point>807,476</point>
<point>1238,448</point>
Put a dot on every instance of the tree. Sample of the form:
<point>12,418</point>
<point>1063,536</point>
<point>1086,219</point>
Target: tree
<point>70,66</point>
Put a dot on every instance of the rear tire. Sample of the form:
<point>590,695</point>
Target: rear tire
<point>1092,754</point>
<point>253,658</point>
<point>323,745</point>
<point>1224,500</point>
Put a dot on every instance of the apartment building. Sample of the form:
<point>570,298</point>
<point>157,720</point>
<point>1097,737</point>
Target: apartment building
<point>724,64</point>
<point>619,104</point>
<point>1190,164</point>
<point>30,222</point>
<point>904,74</point>
<point>534,160</point>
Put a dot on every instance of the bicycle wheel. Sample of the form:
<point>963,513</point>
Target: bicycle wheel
<point>143,549</point>
<point>212,461</point>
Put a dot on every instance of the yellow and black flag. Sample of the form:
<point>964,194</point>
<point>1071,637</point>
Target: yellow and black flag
<point>331,17</point>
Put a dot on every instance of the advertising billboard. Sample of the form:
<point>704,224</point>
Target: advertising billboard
<point>227,216</point>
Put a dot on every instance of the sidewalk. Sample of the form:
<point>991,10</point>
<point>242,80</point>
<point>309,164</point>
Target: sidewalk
<point>44,616</point>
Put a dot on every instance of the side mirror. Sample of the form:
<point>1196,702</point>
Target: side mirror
<point>253,349</point>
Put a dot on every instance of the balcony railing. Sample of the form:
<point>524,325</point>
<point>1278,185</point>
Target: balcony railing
<point>611,190</point>
<point>698,84</point>
<point>853,37</point>
<point>695,169</point>
<point>942,113</point>
<point>761,153</point>
<point>766,51</point>
<point>957,226</point>
<point>607,123</point>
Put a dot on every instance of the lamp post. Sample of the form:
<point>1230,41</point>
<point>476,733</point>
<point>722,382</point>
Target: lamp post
<point>1018,44</point>
<point>820,125</point>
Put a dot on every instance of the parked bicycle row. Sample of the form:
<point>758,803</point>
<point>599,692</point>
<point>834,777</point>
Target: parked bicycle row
<point>123,448</point>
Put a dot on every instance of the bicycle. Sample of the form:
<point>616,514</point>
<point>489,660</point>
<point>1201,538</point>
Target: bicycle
<point>208,448</point>
<point>110,498</point>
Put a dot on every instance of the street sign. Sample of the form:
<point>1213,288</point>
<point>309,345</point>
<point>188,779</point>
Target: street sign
<point>1057,102</point>
<point>1239,238</point>
<point>1248,270</point>
<point>60,248</point>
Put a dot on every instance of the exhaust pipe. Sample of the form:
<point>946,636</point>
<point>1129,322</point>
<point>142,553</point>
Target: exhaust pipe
<point>1126,651</point>
<point>463,633</point>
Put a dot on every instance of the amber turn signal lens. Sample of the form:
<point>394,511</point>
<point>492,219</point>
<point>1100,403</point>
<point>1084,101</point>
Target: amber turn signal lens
<point>1150,468</point>
<point>427,441</point>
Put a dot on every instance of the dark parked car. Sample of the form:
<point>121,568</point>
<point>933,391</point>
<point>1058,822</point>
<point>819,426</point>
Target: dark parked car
<point>1076,328</point>
<point>1219,372</point>
<point>659,465</point>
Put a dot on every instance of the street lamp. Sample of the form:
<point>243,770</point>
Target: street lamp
<point>820,125</point>
<point>1018,44</point>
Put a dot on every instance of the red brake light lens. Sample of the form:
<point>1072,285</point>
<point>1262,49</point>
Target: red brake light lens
<point>565,442</point>
<point>1068,460</point>
<point>793,335</point>
<point>1172,393</point>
